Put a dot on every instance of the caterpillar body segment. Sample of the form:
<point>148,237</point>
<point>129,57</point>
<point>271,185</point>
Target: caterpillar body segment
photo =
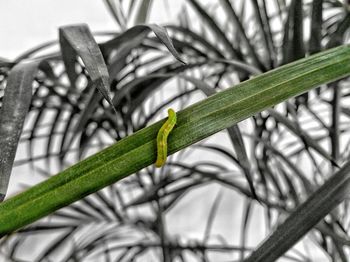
<point>162,138</point>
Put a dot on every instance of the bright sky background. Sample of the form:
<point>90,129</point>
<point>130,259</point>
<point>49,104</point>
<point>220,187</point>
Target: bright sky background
<point>25,24</point>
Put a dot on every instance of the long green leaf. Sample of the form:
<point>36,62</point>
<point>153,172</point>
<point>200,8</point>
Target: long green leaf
<point>234,133</point>
<point>194,124</point>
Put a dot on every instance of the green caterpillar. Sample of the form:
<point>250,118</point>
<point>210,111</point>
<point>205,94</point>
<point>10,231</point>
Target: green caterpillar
<point>162,146</point>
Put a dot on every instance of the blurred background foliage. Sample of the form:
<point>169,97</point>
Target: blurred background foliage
<point>200,206</point>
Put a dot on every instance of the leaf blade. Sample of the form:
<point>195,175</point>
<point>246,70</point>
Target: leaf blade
<point>16,102</point>
<point>306,216</point>
<point>78,40</point>
<point>199,120</point>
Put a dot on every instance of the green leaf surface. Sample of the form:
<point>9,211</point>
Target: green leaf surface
<point>195,123</point>
<point>234,134</point>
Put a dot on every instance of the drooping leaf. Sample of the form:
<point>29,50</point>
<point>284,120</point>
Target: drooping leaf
<point>139,32</point>
<point>76,41</point>
<point>15,105</point>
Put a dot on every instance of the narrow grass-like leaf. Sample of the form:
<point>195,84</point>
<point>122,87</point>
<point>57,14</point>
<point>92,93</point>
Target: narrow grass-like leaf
<point>77,40</point>
<point>15,105</point>
<point>91,103</point>
<point>268,23</point>
<point>267,45</point>
<point>235,136</point>
<point>306,216</point>
<point>57,244</point>
<point>246,215</point>
<point>140,31</point>
<point>308,140</point>
<point>316,26</point>
<point>335,126</point>
<point>337,37</point>
<point>195,123</point>
<point>143,12</point>
<point>293,43</point>
<point>213,212</point>
<point>197,39</point>
<point>216,29</point>
<point>116,13</point>
<point>34,50</point>
<point>236,21</point>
